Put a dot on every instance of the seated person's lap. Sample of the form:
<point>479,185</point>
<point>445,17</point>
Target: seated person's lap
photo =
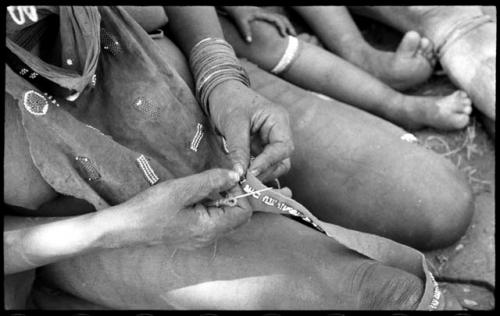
<point>353,169</point>
<point>335,145</point>
<point>272,262</point>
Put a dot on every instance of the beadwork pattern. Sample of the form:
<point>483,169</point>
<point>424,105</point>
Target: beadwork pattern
<point>148,172</point>
<point>89,170</point>
<point>224,145</point>
<point>109,43</point>
<point>282,206</point>
<point>152,110</point>
<point>409,138</point>
<point>35,103</point>
<point>436,295</point>
<point>197,137</point>
<point>51,99</point>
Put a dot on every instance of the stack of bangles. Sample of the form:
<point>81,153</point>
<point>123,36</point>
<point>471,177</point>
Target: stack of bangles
<point>213,61</point>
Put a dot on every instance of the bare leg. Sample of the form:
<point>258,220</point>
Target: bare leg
<point>470,62</point>
<point>412,63</point>
<point>352,169</point>
<point>332,76</point>
<point>359,167</point>
<point>270,263</point>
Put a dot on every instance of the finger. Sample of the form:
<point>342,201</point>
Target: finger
<point>275,171</point>
<point>224,220</point>
<point>276,133</point>
<point>271,18</point>
<point>285,191</point>
<point>289,26</point>
<point>238,143</point>
<point>191,189</point>
<point>245,29</point>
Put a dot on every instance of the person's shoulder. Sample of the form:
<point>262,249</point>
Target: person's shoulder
<point>23,184</point>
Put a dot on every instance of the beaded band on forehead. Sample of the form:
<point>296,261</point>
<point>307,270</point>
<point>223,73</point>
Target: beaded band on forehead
<point>212,62</point>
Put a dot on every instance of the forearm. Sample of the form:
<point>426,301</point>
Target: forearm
<point>188,25</point>
<point>33,242</point>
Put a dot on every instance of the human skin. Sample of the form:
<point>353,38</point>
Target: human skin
<point>266,248</point>
<point>470,62</point>
<point>411,64</point>
<point>268,230</point>
<point>262,257</point>
<point>25,240</point>
<point>334,77</point>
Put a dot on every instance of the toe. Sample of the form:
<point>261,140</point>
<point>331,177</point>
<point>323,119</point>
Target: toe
<point>461,121</point>
<point>409,44</point>
<point>462,102</point>
<point>427,50</point>
<point>425,45</point>
<point>467,109</point>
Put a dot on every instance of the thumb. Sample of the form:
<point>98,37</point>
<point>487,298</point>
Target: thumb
<point>238,143</point>
<point>244,28</point>
<point>189,190</point>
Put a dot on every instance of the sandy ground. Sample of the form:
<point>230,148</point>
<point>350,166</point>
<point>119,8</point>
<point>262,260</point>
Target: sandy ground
<point>468,266</point>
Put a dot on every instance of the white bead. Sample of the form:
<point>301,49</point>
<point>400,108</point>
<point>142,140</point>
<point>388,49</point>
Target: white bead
<point>69,61</point>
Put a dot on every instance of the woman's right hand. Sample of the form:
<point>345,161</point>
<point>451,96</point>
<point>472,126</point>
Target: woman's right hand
<point>170,213</point>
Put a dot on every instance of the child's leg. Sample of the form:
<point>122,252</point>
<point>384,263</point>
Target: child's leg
<point>411,64</point>
<point>470,58</point>
<point>318,70</point>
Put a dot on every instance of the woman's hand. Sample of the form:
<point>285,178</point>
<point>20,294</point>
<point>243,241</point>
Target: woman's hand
<point>240,113</point>
<point>244,15</point>
<point>170,213</point>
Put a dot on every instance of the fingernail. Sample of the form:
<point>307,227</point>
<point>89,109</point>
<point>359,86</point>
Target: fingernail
<point>255,172</point>
<point>249,39</point>
<point>234,176</point>
<point>239,169</point>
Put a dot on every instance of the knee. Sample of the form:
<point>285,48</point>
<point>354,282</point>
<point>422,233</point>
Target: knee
<point>447,206</point>
<point>382,287</point>
<point>452,211</point>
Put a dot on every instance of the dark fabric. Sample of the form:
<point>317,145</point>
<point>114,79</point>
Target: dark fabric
<point>139,106</point>
<point>127,130</point>
<point>79,41</point>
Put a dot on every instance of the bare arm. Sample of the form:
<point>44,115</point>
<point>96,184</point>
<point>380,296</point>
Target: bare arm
<point>188,25</point>
<point>164,214</point>
<point>34,242</point>
<point>237,111</point>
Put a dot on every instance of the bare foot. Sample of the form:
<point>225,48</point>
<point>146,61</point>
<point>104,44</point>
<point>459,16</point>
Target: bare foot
<point>412,63</point>
<point>445,113</point>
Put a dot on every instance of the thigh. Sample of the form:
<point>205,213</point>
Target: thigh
<point>150,18</point>
<point>353,169</point>
<point>272,262</point>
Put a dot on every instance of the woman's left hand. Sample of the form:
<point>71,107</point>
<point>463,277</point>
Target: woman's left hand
<point>239,113</point>
<point>244,15</point>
